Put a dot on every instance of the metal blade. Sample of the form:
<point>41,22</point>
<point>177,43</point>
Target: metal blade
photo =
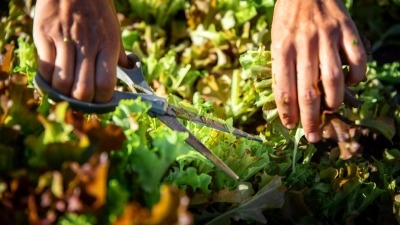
<point>193,117</point>
<point>174,124</point>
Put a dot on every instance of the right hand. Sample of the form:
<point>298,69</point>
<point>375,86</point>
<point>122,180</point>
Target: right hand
<point>79,47</point>
<point>307,36</point>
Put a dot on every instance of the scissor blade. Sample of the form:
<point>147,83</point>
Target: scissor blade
<point>193,117</point>
<point>174,124</point>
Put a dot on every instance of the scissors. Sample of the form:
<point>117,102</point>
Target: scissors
<point>160,109</point>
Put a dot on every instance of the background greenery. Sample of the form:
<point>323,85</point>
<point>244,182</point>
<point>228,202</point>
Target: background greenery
<point>61,167</point>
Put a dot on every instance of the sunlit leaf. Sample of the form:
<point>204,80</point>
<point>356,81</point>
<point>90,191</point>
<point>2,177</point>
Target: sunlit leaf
<point>171,209</point>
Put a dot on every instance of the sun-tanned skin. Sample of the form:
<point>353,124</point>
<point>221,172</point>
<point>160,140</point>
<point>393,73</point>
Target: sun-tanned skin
<point>79,47</point>
<point>307,37</point>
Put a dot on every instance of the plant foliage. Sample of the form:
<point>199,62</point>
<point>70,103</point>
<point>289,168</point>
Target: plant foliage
<point>58,166</point>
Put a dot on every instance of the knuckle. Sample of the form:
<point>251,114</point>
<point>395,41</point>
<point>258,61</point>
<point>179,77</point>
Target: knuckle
<point>82,16</point>
<point>283,99</point>
<point>344,22</point>
<point>307,36</point>
<point>286,107</point>
<point>309,96</point>
<point>41,28</point>
<point>334,76</point>
<point>111,44</point>
<point>84,93</point>
<point>281,47</point>
<point>330,28</point>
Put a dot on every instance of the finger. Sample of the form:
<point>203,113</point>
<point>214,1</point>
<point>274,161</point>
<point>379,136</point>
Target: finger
<point>123,59</point>
<point>63,75</point>
<point>284,84</point>
<point>83,87</point>
<point>106,70</point>
<point>331,71</point>
<point>307,79</point>
<point>355,53</point>
<point>46,54</point>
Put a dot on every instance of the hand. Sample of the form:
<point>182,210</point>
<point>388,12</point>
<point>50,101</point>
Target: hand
<point>306,39</point>
<point>79,47</point>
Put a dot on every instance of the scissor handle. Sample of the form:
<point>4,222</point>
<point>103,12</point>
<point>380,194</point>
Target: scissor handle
<point>134,78</point>
<point>159,105</point>
<point>88,107</point>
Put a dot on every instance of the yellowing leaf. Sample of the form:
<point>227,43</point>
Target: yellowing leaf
<point>171,209</point>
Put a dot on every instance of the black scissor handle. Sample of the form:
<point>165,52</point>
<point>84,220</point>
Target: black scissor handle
<point>88,107</point>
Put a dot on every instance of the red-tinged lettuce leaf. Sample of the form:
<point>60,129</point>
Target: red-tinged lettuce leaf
<point>40,197</point>
<point>17,105</point>
<point>241,193</point>
<point>101,137</point>
<point>6,57</point>
<point>93,179</point>
<point>171,209</point>
<point>69,136</point>
<point>270,196</point>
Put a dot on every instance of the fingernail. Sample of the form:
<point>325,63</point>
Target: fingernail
<point>290,126</point>
<point>313,137</point>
